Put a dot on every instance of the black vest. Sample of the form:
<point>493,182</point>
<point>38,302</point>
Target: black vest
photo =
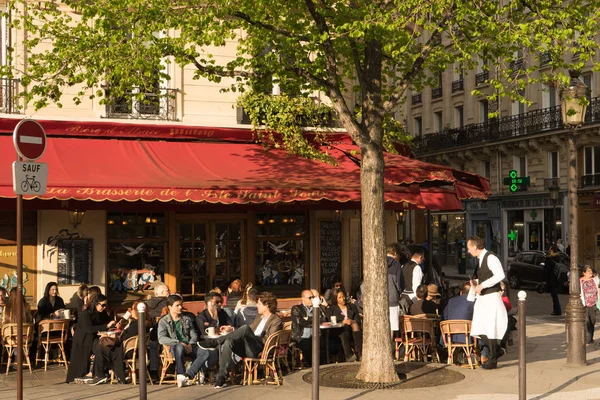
<point>407,273</point>
<point>484,273</point>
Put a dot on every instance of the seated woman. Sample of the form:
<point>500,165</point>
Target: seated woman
<point>108,353</point>
<point>50,304</point>
<point>233,295</point>
<point>347,313</point>
<point>10,310</point>
<point>79,298</point>
<point>91,321</point>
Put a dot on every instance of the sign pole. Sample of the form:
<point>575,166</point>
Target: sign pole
<point>19,295</point>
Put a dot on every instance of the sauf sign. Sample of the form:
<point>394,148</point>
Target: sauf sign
<point>29,177</point>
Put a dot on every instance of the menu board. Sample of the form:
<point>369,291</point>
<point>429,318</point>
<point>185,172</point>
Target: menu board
<point>74,261</point>
<point>330,252</point>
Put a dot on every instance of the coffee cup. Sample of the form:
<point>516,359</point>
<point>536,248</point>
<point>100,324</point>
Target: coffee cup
<point>127,315</point>
<point>67,314</point>
<point>210,331</point>
<point>333,320</point>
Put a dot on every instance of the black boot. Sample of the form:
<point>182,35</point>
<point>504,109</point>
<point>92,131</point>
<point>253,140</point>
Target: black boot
<point>358,344</point>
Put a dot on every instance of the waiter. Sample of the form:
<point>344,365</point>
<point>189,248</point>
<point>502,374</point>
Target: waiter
<point>489,314</point>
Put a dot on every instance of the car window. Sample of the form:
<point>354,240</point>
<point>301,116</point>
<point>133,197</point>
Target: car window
<point>518,258</point>
<point>528,258</point>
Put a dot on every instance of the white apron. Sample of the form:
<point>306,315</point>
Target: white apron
<point>489,316</point>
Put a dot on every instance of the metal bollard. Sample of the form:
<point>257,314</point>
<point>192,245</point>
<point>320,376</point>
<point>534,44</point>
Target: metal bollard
<point>141,307</point>
<point>522,345</point>
<point>315,348</point>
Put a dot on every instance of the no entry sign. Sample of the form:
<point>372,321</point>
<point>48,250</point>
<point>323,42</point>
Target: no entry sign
<point>29,139</point>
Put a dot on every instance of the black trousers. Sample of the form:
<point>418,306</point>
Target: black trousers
<point>590,322</point>
<point>108,357</point>
<point>556,309</point>
<point>493,345</point>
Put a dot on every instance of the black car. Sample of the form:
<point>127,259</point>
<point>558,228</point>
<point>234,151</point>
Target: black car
<point>528,268</point>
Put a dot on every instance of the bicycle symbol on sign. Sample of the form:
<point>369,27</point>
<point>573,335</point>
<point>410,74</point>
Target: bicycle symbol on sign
<point>30,184</point>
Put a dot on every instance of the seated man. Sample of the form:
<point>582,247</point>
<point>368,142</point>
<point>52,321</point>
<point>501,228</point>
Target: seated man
<point>417,307</point>
<point>213,315</point>
<point>177,330</point>
<point>459,308</point>
<point>248,340</point>
<point>154,308</point>
<point>248,312</point>
<point>301,315</point>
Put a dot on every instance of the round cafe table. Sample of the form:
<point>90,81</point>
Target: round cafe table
<point>326,327</point>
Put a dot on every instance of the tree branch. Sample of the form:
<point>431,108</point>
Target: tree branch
<point>269,27</point>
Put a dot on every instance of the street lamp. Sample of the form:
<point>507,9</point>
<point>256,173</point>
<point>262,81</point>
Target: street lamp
<point>554,190</point>
<point>573,103</point>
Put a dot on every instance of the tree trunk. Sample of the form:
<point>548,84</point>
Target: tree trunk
<point>377,362</point>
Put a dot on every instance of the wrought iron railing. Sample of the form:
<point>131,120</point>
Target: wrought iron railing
<point>495,129</point>
<point>417,99</point>
<point>517,66</point>
<point>481,77</point>
<point>458,85</point>
<point>436,93</point>
<point>590,180</point>
<point>9,91</point>
<point>159,105</point>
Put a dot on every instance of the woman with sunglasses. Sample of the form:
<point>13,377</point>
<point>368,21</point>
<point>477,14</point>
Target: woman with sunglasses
<point>347,313</point>
<point>91,321</point>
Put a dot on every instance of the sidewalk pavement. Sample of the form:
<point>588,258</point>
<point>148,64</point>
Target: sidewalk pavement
<point>548,377</point>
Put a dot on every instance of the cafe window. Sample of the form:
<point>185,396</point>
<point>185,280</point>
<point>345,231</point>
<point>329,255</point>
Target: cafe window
<point>136,250</point>
<point>280,249</point>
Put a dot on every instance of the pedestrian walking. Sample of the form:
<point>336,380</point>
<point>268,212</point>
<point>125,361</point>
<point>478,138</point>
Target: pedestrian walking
<point>589,297</point>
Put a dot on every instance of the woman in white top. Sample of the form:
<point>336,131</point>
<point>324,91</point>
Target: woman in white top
<point>589,297</point>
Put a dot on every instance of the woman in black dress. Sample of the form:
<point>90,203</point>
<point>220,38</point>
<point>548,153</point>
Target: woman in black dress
<point>347,313</point>
<point>91,321</point>
<point>50,304</point>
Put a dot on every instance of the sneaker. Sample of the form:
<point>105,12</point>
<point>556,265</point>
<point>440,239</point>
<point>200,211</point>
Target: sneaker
<point>98,381</point>
<point>220,383</point>
<point>84,380</point>
<point>236,359</point>
<point>182,381</point>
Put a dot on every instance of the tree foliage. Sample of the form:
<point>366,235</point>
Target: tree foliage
<point>378,50</point>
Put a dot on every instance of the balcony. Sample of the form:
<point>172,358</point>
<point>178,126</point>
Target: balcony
<point>590,180</point>
<point>8,93</point>
<point>160,105</point>
<point>481,78</point>
<point>417,99</point>
<point>458,85</point>
<point>493,130</point>
<point>545,58</point>
<point>436,93</point>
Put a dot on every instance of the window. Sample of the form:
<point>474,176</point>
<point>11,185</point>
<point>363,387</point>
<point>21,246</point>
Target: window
<point>280,243</point>
<point>484,110</point>
<point>548,96</point>
<point>591,166</point>
<point>520,165</point>
<point>438,121</point>
<point>418,127</point>
<point>517,108</point>
<point>553,164</point>
<point>485,169</point>
<point>136,250</point>
<point>459,117</point>
<point>587,79</point>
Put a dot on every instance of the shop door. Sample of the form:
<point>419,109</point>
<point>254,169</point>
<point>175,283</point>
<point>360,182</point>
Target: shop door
<point>210,255</point>
<point>534,236</point>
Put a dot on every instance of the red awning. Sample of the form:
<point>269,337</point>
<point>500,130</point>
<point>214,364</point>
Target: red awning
<point>227,173</point>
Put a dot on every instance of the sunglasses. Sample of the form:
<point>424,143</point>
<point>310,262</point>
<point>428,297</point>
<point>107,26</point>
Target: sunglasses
<point>103,305</point>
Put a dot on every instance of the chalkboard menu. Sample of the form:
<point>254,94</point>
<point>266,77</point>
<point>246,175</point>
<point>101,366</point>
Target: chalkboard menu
<point>330,252</point>
<point>74,261</point>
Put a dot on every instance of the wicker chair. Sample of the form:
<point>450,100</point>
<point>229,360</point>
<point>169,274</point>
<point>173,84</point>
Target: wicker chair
<point>9,341</point>
<point>418,338</point>
<point>269,358</point>
<point>463,328</point>
<point>52,332</point>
